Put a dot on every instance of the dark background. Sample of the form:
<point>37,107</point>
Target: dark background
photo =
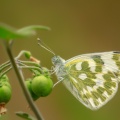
<point>78,27</point>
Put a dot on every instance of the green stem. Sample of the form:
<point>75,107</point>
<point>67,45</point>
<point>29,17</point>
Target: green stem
<point>20,78</point>
<point>1,74</point>
<point>20,54</point>
<point>29,62</point>
<point>30,67</point>
<point>4,64</point>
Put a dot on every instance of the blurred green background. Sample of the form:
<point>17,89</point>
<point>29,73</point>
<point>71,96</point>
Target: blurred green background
<point>78,27</point>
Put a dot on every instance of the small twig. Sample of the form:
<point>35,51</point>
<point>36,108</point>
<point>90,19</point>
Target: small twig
<point>5,66</point>
<point>21,80</point>
<point>29,67</point>
<point>29,62</point>
<point>8,62</point>
<point>20,54</point>
<point>1,74</point>
<point>24,66</point>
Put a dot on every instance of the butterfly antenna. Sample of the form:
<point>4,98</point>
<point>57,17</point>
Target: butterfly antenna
<point>43,45</point>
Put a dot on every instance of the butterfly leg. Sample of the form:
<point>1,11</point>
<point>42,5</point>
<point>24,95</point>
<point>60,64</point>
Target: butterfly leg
<point>60,80</point>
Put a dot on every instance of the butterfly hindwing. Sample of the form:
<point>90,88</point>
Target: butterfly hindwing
<point>93,78</point>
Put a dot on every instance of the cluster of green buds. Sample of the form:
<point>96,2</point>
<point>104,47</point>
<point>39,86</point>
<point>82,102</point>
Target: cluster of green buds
<point>5,93</point>
<point>39,84</point>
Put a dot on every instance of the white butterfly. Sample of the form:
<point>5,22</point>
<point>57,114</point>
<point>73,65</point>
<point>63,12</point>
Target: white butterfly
<point>91,78</point>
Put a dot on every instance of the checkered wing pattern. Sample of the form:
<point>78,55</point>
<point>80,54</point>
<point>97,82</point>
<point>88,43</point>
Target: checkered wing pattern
<point>93,78</point>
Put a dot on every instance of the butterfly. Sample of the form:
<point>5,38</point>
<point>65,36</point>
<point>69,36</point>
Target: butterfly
<point>91,78</point>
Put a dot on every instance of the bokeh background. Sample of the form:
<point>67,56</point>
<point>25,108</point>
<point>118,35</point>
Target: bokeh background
<point>78,27</point>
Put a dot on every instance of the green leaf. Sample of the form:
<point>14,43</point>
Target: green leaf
<point>7,32</point>
<point>24,115</point>
<point>30,30</point>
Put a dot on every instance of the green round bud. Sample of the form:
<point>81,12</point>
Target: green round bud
<point>27,54</point>
<point>4,78</point>
<point>42,85</point>
<point>5,93</point>
<point>7,84</point>
<point>28,85</point>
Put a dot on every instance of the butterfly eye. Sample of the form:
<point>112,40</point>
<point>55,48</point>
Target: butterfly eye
<point>55,60</point>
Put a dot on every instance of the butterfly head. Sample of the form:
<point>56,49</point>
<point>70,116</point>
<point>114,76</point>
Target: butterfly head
<point>57,60</point>
<point>59,70</point>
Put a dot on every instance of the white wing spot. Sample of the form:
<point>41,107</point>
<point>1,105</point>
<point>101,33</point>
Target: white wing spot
<point>95,87</point>
<point>99,83</point>
<point>92,69</point>
<point>112,88</point>
<point>89,88</point>
<point>105,94</point>
<point>78,66</point>
<point>115,79</point>
<point>92,66</point>
<point>99,80</point>
<point>99,76</point>
<point>92,102</point>
<point>83,76</point>
<point>104,69</point>
<point>84,91</point>
<point>100,101</point>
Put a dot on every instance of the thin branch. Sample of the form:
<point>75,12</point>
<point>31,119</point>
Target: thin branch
<point>29,67</point>
<point>1,74</point>
<point>20,54</point>
<point>24,66</point>
<point>5,66</point>
<point>8,62</point>
<point>20,78</point>
<point>29,62</point>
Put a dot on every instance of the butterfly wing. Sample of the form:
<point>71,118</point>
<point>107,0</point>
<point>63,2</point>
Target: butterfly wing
<point>93,78</point>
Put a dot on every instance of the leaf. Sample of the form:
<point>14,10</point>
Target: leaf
<point>31,29</point>
<point>7,32</point>
<point>24,115</point>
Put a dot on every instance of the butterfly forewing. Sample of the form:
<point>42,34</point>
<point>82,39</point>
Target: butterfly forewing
<point>93,78</point>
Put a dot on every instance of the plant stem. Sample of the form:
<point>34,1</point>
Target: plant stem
<point>29,62</point>
<point>4,64</point>
<point>5,71</point>
<point>21,81</point>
